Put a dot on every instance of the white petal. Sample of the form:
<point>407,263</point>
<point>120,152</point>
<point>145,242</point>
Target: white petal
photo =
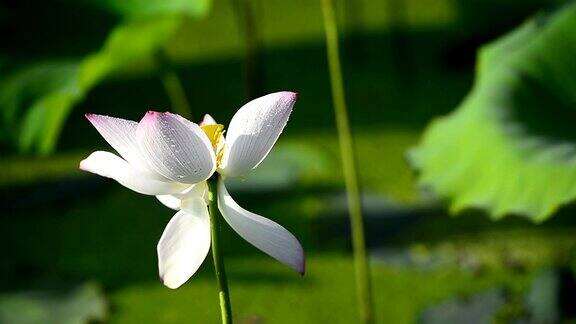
<point>261,232</point>
<point>175,147</point>
<point>199,190</point>
<point>169,201</point>
<point>175,201</point>
<point>184,244</point>
<point>109,165</point>
<point>253,131</point>
<point>121,135</point>
<point>208,120</point>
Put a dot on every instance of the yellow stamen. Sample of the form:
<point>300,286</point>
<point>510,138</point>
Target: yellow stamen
<point>215,133</point>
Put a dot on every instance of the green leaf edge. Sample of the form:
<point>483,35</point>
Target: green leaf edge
<point>441,181</point>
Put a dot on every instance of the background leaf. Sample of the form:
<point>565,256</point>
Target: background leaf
<point>24,86</point>
<point>51,90</point>
<point>46,93</point>
<point>510,148</point>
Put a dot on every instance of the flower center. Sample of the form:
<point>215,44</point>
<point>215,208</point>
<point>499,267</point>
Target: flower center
<point>215,133</point>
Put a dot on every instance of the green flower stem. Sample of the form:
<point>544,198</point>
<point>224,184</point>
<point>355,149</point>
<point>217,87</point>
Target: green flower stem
<point>349,165</point>
<point>223,294</point>
<point>173,86</point>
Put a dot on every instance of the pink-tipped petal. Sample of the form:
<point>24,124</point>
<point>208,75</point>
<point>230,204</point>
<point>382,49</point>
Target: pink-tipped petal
<point>253,131</point>
<point>184,244</point>
<point>261,232</point>
<point>121,135</point>
<point>109,165</point>
<point>175,147</point>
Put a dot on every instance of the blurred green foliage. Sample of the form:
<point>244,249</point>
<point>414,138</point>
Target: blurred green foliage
<point>111,235</point>
<point>36,113</point>
<point>37,100</point>
<point>135,8</point>
<point>307,160</point>
<point>404,62</point>
<point>82,304</point>
<point>510,148</point>
<point>129,47</point>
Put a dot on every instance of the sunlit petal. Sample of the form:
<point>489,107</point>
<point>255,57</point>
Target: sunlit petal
<point>253,131</point>
<point>175,147</point>
<point>199,190</point>
<point>169,201</point>
<point>110,165</point>
<point>174,201</point>
<point>184,244</point>
<point>261,232</point>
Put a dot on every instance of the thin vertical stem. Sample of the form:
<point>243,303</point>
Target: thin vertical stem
<point>349,164</point>
<point>223,294</point>
<point>173,86</point>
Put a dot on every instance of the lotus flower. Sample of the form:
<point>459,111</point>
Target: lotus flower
<point>171,157</point>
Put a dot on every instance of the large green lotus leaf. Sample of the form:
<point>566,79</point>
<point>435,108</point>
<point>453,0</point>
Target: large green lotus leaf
<point>510,147</point>
<point>131,47</point>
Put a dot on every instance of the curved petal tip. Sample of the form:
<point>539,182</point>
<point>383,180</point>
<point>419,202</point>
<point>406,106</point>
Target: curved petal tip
<point>302,269</point>
<point>169,284</point>
<point>150,115</point>
<point>207,120</point>
<point>292,94</point>
<point>94,118</point>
